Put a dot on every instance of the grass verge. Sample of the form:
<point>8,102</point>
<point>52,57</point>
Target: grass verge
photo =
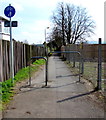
<point>90,71</point>
<point>90,75</point>
<point>7,91</point>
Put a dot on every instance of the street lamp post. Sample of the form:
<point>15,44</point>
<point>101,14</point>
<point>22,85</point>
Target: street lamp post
<point>45,33</point>
<point>46,43</point>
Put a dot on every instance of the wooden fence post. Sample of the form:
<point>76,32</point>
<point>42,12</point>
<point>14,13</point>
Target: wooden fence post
<point>1,62</point>
<point>24,51</point>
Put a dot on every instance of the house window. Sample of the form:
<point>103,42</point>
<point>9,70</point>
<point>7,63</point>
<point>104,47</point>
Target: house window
<point>6,30</point>
<point>0,27</point>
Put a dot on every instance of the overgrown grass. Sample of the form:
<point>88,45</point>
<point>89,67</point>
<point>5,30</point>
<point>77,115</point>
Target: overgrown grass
<point>6,91</point>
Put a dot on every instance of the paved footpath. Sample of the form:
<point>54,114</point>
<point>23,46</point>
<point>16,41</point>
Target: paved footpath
<point>64,97</point>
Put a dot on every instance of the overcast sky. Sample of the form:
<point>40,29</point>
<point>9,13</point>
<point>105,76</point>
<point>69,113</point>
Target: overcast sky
<point>33,17</point>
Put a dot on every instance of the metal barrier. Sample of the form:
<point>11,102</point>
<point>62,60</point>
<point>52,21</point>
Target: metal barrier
<point>81,67</point>
<point>80,63</point>
<point>46,67</point>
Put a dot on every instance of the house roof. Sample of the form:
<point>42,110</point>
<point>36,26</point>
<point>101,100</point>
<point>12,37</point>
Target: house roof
<point>4,19</point>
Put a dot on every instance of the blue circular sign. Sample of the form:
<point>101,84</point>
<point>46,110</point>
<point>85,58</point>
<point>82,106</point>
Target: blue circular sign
<point>9,11</point>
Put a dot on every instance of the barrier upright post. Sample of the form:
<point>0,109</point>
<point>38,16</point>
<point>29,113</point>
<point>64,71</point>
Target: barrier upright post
<point>99,65</point>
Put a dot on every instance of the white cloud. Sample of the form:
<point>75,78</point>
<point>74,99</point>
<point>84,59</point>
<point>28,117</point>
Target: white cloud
<point>41,24</point>
<point>32,37</point>
<point>33,3</point>
<point>36,31</point>
<point>18,6</point>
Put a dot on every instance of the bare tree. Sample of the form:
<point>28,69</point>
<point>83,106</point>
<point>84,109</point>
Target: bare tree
<point>59,20</point>
<point>73,22</point>
<point>57,37</point>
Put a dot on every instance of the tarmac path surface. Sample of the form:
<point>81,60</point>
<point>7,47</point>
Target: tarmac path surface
<point>64,97</point>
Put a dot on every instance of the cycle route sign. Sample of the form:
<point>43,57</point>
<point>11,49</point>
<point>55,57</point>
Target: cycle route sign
<point>9,11</point>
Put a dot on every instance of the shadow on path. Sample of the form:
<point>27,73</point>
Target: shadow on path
<point>59,76</point>
<point>76,96</point>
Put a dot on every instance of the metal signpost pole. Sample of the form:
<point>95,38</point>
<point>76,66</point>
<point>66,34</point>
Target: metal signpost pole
<point>11,50</point>
<point>9,12</point>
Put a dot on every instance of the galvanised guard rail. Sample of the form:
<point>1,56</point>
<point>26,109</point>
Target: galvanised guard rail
<point>46,71</point>
<point>81,68</point>
<point>46,65</point>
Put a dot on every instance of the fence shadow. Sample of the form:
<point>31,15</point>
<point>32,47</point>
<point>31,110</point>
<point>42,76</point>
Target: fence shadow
<point>61,76</point>
<point>61,67</point>
<point>76,96</point>
<point>29,88</point>
<point>64,85</point>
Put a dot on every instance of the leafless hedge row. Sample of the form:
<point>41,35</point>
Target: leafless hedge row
<point>22,54</point>
<point>88,51</point>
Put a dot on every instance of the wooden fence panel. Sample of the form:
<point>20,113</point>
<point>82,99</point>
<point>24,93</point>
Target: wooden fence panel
<point>22,54</point>
<point>89,51</point>
<point>5,57</point>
